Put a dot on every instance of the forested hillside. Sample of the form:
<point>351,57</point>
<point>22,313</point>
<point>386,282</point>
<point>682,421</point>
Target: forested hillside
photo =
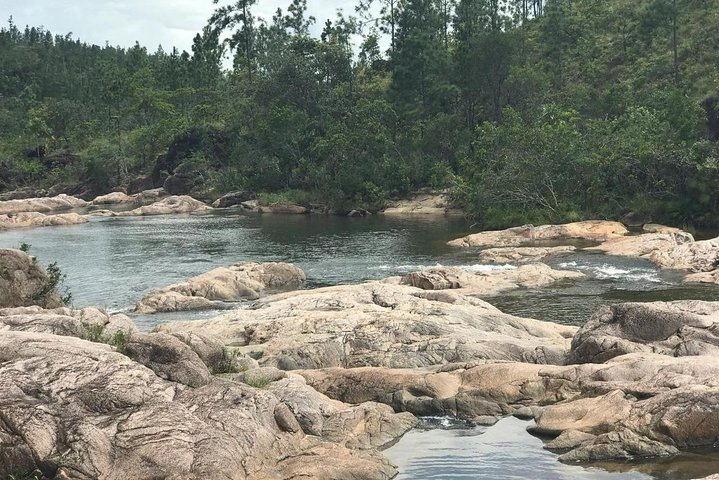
<point>526,111</point>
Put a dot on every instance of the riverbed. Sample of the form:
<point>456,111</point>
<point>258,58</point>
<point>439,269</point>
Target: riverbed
<point>112,262</point>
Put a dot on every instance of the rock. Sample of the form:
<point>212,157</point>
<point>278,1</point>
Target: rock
<point>703,277</point>
<point>380,325</point>
<point>674,328</point>
<point>423,203</point>
<point>242,281</point>
<point>282,208</point>
<point>114,198</point>
<point>569,440</point>
<point>597,230</point>
<point>211,350</point>
<point>75,409</point>
<point>635,219</point>
<point>644,246</point>
<point>485,284</point>
<point>234,198</point>
<point>23,282</point>
<point>366,426</point>
<point>472,392</point>
<point>182,183</point>
<point>702,256</point>
<point>618,445</point>
<point>169,358</point>
<point>88,323</point>
<point>656,228</point>
<point>46,204</point>
<point>522,254</point>
<point>34,219</point>
<point>169,206</point>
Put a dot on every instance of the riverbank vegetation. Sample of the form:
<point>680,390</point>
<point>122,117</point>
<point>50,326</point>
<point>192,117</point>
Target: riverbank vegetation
<point>526,111</point>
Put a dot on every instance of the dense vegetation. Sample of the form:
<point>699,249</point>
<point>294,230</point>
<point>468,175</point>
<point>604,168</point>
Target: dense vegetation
<point>526,111</point>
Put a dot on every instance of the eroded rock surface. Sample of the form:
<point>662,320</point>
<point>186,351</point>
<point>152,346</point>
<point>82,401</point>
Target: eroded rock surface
<point>378,324</point>
<point>75,409</point>
<point>597,230</point>
<point>234,198</point>
<point>85,323</point>
<point>44,204</point>
<point>35,219</point>
<point>242,281</point>
<point>674,328</point>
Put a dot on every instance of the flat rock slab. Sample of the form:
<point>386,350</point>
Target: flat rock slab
<point>596,230</point>
<point>378,324</point>
<point>35,219</point>
<point>45,204</point>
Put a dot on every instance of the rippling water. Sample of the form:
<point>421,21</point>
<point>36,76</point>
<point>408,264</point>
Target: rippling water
<point>112,262</point>
<point>506,451</point>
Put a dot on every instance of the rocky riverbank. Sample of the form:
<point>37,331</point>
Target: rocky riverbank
<point>315,382</point>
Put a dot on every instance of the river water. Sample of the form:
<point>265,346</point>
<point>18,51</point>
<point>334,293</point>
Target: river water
<point>112,262</point>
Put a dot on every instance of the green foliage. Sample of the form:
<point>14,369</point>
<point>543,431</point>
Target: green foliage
<point>94,333</point>
<point>227,364</point>
<point>526,113</point>
<point>258,382</point>
<point>25,247</point>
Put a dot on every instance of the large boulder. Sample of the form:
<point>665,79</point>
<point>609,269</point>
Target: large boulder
<point>168,206</point>
<point>34,219</point>
<point>75,409</point>
<point>596,230</point>
<point>23,282</point>
<point>702,256</point>
<point>674,328</point>
<point>647,245</point>
<point>377,324</point>
<point>242,281</point>
<point>45,204</point>
<point>22,193</point>
<point>234,198</point>
<point>486,284</point>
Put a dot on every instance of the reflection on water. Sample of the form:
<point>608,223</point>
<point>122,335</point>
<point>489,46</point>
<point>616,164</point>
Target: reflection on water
<point>506,451</point>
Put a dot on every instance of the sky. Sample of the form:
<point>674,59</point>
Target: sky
<point>150,22</point>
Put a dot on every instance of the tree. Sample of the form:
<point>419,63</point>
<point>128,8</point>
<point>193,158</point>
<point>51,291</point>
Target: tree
<point>237,16</point>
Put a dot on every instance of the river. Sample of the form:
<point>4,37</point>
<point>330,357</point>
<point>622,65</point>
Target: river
<point>112,262</point>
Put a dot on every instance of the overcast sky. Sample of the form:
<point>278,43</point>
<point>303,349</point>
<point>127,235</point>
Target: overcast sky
<point>151,22</point>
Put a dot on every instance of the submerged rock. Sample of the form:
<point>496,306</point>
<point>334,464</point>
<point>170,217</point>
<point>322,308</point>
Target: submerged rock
<point>44,204</point>
<point>523,254</point>
<point>242,281</point>
<point>597,230</point>
<point>34,219</point>
<point>24,283</point>
<point>378,324</point>
<point>674,328</point>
